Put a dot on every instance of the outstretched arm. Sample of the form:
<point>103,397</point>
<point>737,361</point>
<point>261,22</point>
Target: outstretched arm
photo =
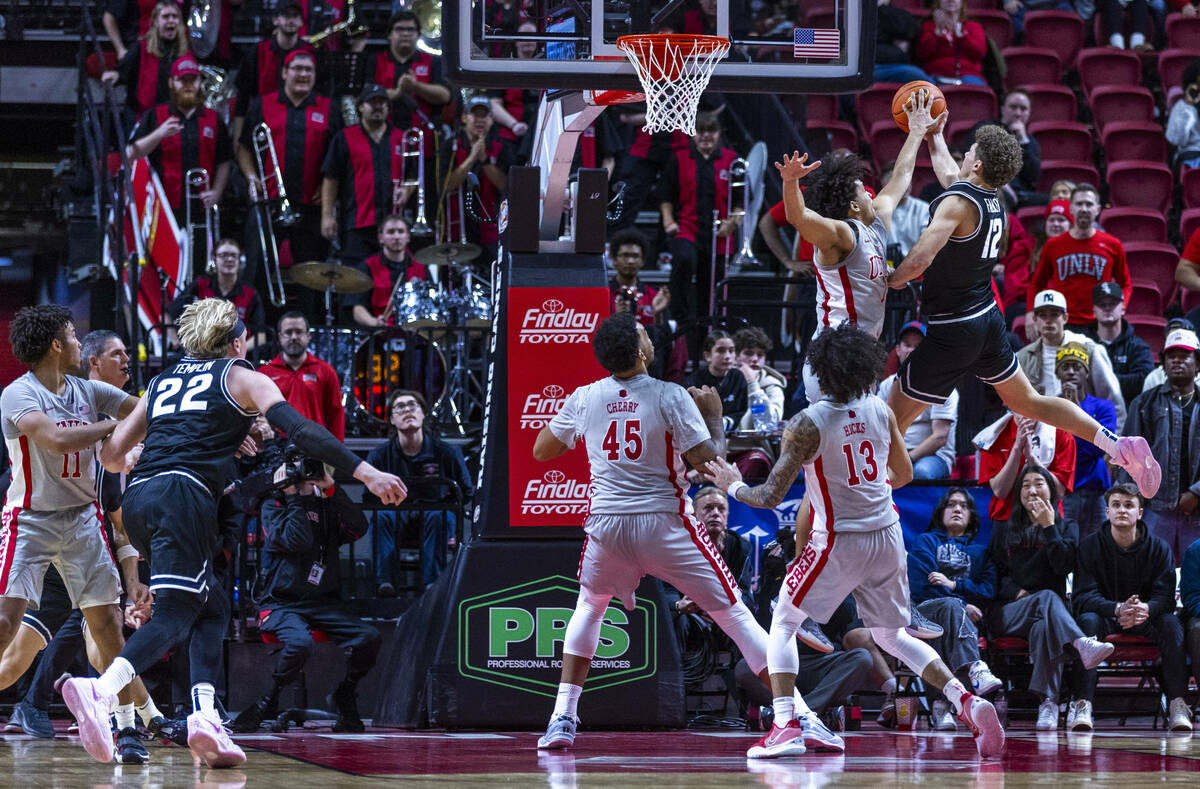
<point>950,214</point>
<point>944,166</point>
<point>830,236</point>
<point>920,123</point>
<point>801,439</point>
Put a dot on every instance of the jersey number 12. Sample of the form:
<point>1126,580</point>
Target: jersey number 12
<point>631,438</point>
<point>991,244</point>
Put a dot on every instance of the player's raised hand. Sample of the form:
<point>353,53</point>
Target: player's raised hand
<point>796,166</point>
<point>388,487</point>
<point>707,400</point>
<point>917,108</point>
<point>721,473</point>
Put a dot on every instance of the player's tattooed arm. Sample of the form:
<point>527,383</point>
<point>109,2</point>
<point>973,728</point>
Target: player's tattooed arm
<point>801,439</point>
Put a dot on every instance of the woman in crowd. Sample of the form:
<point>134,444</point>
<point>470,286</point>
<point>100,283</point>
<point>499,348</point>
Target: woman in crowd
<point>951,48</point>
<point>719,357</point>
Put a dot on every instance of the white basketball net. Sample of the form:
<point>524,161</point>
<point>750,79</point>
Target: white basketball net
<point>674,72</point>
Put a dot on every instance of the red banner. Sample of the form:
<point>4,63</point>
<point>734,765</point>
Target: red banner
<point>549,356</point>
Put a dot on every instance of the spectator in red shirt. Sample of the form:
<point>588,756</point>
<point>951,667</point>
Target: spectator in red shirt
<point>950,46</point>
<point>476,150</point>
<point>1023,249</point>
<point>308,384</point>
<point>1187,271</point>
<point>1078,260</point>
<point>393,262</point>
<point>1013,442</point>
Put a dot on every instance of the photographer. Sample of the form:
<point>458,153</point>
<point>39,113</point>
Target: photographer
<point>297,589</point>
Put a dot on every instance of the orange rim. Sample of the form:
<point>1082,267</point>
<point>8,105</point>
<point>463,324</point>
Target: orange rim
<point>662,54</point>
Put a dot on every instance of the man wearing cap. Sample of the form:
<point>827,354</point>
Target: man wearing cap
<point>1038,358</point>
<point>1168,417</point>
<point>1131,358</point>
<point>1085,503</point>
<point>302,125</point>
<point>360,169</point>
<point>182,135</point>
<point>1076,261</point>
<point>930,439</point>
<point>476,151</point>
<point>260,71</point>
<point>1158,376</point>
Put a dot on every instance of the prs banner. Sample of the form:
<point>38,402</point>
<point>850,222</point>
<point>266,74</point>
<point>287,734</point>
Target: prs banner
<point>549,355</point>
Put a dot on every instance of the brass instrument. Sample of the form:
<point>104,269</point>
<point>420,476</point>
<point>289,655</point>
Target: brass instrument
<point>204,27</point>
<point>261,204</point>
<point>414,148</point>
<point>350,25</point>
<point>733,210</point>
<point>217,89</point>
<point>751,203</point>
<point>197,181</point>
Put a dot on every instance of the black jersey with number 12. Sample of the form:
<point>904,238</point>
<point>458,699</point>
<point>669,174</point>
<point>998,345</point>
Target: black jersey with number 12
<point>959,280</point>
<point>193,424</point>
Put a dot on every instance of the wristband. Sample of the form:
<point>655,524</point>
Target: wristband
<point>125,551</point>
<point>735,487</point>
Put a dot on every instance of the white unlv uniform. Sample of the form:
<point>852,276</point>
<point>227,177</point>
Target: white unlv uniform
<point>634,430</point>
<point>854,290</point>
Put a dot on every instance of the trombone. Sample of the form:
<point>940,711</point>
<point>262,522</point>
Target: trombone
<point>198,182</point>
<point>414,148</point>
<point>261,200</point>
<point>733,210</point>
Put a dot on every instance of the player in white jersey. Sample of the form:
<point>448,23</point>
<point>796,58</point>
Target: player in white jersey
<point>51,422</point>
<point>638,431</point>
<point>853,454</point>
<point>849,228</point>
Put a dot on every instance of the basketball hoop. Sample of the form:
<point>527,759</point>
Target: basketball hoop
<point>674,70</point>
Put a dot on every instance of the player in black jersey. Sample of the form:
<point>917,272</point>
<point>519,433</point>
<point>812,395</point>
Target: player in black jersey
<point>956,253</point>
<point>194,418</point>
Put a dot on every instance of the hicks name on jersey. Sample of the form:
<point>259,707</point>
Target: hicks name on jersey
<point>567,326</point>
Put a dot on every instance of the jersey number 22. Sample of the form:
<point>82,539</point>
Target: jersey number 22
<point>169,387</point>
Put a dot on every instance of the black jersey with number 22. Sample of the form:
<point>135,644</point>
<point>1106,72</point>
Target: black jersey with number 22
<point>959,280</point>
<point>193,424</point>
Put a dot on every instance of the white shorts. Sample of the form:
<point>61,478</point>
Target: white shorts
<point>620,549</point>
<point>73,540</point>
<point>871,564</point>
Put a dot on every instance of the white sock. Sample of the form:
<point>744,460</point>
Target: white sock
<point>799,705</point>
<point>1136,40</point>
<point>148,711</point>
<point>889,686</point>
<point>1117,40</point>
<point>567,700</point>
<point>1106,441</point>
<point>203,695</point>
<point>784,710</point>
<point>114,679</point>
<point>124,714</point>
<point>954,691</point>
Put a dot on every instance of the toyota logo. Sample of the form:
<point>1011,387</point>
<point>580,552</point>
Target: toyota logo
<point>553,392</point>
<point>552,305</point>
<point>554,477</point>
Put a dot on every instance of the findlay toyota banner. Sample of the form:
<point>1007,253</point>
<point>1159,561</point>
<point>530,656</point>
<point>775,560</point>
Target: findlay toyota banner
<point>549,355</point>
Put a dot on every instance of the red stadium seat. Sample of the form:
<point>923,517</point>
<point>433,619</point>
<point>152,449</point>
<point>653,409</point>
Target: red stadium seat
<point>923,175</point>
<point>1051,103</point>
<point>1031,64</point>
<point>1032,216</point>
<point>1112,103</point>
<point>1135,224</point>
<point>816,11</point>
<point>821,18</point>
<point>1189,179</point>
<point>827,136</point>
<point>1183,32</point>
<point>821,106</point>
<point>1151,328</point>
<point>874,104</point>
<point>886,139</point>
<point>1140,183</point>
<point>1146,299</point>
<point>1154,262</point>
<point>1171,63</point>
<point>997,25</point>
<point>1062,31</point>
<point>1063,140</point>
<point>1101,33</point>
<point>1144,140</point>
<point>1071,170</point>
<point>979,5</point>
<point>1103,66</point>
<point>970,102</point>
<point>957,131</point>
<point>911,6</point>
<point>1189,221</point>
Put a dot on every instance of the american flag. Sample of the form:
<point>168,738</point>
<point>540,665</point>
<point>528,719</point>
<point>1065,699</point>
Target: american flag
<point>816,43</point>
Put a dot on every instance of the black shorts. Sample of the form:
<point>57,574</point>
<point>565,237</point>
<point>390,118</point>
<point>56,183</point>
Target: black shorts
<point>977,344</point>
<point>53,608</point>
<point>172,520</point>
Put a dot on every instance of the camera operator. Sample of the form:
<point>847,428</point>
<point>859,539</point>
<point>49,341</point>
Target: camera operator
<point>297,589</point>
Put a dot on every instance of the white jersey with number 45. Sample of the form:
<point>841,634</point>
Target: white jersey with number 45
<point>847,480</point>
<point>634,430</point>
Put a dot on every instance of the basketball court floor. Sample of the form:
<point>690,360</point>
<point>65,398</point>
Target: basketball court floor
<point>1131,756</point>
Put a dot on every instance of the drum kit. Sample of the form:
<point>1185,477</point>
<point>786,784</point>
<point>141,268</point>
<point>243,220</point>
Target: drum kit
<point>434,322</point>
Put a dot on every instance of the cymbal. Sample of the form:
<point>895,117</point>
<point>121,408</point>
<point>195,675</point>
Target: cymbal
<point>447,254</point>
<point>319,275</point>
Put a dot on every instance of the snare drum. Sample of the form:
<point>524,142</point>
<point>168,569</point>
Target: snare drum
<point>417,305</point>
<point>337,347</point>
<point>392,359</point>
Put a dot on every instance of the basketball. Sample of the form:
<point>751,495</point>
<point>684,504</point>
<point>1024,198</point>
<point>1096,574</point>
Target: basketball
<point>904,91</point>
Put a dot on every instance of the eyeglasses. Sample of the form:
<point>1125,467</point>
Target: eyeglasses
<point>406,405</point>
<point>399,29</point>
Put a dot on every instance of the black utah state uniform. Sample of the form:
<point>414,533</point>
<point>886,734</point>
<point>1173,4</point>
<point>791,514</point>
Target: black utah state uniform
<point>193,428</point>
<point>966,328</point>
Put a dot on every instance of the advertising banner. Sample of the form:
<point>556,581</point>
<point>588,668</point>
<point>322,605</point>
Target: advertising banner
<point>549,336</point>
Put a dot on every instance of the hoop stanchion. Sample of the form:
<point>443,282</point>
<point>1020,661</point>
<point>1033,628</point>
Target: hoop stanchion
<point>674,70</point>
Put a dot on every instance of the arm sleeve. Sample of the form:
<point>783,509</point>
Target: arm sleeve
<point>312,438</point>
<point>331,400</point>
<point>352,523</point>
<point>922,560</point>
<point>566,425</point>
<point>1189,580</point>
